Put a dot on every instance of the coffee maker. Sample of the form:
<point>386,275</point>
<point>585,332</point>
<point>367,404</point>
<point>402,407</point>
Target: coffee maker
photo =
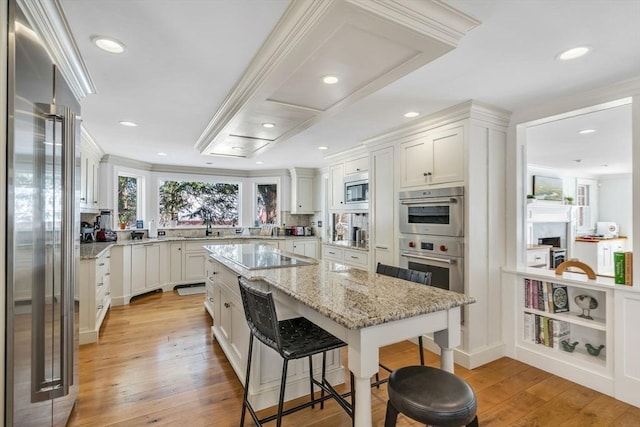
<point>105,222</point>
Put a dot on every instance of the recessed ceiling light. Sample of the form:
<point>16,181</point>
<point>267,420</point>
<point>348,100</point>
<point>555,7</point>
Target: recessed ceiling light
<point>236,148</point>
<point>323,147</point>
<point>108,44</point>
<point>573,53</point>
<point>127,123</point>
<point>586,131</point>
<point>268,125</point>
<point>577,160</point>
<point>259,162</point>
<point>330,80</point>
<point>411,114</point>
<point>162,153</point>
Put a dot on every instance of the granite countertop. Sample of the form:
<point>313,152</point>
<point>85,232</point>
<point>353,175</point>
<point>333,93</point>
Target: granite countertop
<point>95,249</point>
<point>597,239</point>
<point>349,245</point>
<point>351,297</point>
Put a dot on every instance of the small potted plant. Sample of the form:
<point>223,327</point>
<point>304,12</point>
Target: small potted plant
<point>531,198</point>
<point>123,222</point>
<point>568,200</point>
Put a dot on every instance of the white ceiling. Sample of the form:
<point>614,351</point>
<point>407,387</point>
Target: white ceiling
<point>184,56</point>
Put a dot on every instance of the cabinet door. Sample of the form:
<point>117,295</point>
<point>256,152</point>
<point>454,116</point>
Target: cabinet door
<point>84,161</point>
<point>95,183</point>
<point>337,187</point>
<point>153,265</point>
<point>311,249</point>
<point>194,265</point>
<point>448,155</point>
<point>138,268</point>
<point>416,162</point>
<point>239,333</point>
<point>175,262</point>
<point>383,207</point>
<point>356,166</point>
<point>302,200</point>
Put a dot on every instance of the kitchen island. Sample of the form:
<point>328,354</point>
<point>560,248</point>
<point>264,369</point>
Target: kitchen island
<point>366,310</point>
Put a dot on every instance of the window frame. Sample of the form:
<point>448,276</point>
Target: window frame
<point>254,204</point>
<point>140,196</point>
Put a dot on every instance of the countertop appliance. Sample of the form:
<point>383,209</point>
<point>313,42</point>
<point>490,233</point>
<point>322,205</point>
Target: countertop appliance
<point>87,232</point>
<point>356,191</point>
<point>43,233</point>
<point>607,229</point>
<point>297,231</point>
<point>106,219</point>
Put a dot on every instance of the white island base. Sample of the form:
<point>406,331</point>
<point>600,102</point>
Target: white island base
<point>232,333</point>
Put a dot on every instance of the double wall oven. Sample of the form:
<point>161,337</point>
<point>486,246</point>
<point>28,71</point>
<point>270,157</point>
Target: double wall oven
<point>432,235</point>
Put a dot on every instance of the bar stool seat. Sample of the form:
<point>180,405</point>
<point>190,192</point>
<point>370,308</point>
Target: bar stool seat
<point>430,396</point>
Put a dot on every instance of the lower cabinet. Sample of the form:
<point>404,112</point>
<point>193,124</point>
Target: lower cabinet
<point>352,257</point>
<point>306,247</point>
<point>232,333</point>
<point>95,295</point>
<point>146,267</point>
<point>599,255</point>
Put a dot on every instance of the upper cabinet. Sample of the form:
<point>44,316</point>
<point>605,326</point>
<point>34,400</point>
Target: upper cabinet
<point>90,155</point>
<point>336,184</point>
<point>356,166</point>
<point>302,190</point>
<point>433,157</point>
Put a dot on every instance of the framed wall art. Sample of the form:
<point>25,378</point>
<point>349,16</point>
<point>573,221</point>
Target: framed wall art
<point>547,188</point>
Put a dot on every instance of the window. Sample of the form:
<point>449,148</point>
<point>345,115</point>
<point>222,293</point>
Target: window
<point>267,204</point>
<point>129,200</point>
<point>198,203</point>
<point>582,202</point>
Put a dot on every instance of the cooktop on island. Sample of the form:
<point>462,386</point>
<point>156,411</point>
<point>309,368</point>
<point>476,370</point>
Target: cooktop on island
<point>255,256</point>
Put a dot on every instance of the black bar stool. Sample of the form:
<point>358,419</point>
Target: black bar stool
<point>422,277</point>
<point>430,396</point>
<point>292,339</point>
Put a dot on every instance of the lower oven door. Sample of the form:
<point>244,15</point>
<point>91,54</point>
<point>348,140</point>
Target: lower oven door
<point>446,272</point>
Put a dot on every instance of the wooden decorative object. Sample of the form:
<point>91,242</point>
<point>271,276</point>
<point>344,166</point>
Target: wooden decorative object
<point>578,264</point>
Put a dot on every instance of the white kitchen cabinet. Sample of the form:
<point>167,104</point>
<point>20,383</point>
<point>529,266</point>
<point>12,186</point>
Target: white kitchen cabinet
<point>433,157</point>
<point>195,258</point>
<point>302,190</point>
<point>306,247</point>
<point>599,254</point>
<point>145,267</point>
<point>382,239</point>
<point>538,257</point>
<point>356,166</point>
<point>95,295</point>
<point>232,333</point>
<point>352,257</point>
<point>175,261</point>
<point>89,175</point>
<point>336,183</point>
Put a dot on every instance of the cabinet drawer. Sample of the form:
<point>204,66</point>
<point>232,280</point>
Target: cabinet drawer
<point>356,257</point>
<point>538,258</point>
<point>332,253</point>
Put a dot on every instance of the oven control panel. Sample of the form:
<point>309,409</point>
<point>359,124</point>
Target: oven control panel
<point>421,243</point>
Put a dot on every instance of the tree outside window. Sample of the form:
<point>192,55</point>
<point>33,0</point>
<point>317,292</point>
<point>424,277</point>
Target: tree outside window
<point>267,204</point>
<point>198,203</point>
<point>128,200</point>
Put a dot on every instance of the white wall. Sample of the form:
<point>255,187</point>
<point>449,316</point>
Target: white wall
<point>615,205</point>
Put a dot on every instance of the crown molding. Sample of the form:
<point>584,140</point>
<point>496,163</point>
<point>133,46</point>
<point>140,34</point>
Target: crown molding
<point>48,21</point>
<point>88,139</point>
<point>468,109</point>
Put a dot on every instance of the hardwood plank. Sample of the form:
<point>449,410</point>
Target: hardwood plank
<point>156,363</point>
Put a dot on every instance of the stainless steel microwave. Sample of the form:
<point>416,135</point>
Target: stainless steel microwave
<point>356,191</point>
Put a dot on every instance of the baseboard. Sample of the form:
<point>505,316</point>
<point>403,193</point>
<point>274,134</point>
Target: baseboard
<point>470,360</point>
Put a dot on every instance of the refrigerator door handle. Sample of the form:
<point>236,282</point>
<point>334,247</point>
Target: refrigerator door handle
<point>53,302</point>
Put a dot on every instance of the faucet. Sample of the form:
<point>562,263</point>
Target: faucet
<point>208,231</point>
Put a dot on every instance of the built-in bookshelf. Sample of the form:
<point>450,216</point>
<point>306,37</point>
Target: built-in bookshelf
<point>553,328</point>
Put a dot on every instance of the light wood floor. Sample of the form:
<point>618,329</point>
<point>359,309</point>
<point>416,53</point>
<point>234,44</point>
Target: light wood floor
<point>156,363</point>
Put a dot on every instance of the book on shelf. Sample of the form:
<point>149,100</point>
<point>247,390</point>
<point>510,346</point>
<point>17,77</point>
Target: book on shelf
<point>628,268</point>
<point>559,298</point>
<point>618,268</point>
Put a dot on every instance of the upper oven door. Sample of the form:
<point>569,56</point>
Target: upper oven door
<point>440,216</point>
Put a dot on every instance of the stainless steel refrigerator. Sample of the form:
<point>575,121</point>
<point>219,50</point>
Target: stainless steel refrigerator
<point>42,234</point>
